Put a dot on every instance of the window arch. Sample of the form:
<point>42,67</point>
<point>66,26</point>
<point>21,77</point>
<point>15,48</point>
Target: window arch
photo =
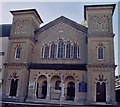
<point>46,51</point>
<point>75,51</point>
<point>17,52</point>
<point>53,51</point>
<point>100,53</point>
<point>68,50</point>
<point>60,49</point>
<point>57,85</point>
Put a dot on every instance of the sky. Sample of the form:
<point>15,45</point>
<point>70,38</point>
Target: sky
<point>49,11</point>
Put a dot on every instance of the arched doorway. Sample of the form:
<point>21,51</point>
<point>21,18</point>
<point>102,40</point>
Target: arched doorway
<point>100,92</point>
<point>41,88</point>
<point>44,89</point>
<point>13,87</point>
<point>55,90</point>
<point>70,91</point>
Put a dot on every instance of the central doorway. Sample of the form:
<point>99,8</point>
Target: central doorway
<point>71,91</point>
<point>44,89</point>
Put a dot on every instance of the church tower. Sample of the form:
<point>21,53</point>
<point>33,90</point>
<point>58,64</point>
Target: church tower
<point>20,53</point>
<point>101,65</point>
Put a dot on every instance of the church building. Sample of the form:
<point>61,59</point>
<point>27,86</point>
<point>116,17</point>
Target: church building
<point>62,62</point>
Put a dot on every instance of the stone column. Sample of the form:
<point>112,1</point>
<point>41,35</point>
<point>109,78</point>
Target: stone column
<point>48,89</point>
<point>76,92</point>
<point>62,90</point>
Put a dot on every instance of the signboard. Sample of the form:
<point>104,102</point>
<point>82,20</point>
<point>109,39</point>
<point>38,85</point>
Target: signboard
<point>82,87</point>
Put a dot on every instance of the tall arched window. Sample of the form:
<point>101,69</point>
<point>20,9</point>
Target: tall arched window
<point>53,51</point>
<point>75,51</point>
<point>46,51</point>
<point>100,53</point>
<point>17,52</point>
<point>60,49</point>
<point>68,50</point>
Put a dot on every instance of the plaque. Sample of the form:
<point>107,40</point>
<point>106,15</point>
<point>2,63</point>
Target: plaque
<point>82,87</point>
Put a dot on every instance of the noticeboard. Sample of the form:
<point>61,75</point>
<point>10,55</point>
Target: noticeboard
<point>82,87</point>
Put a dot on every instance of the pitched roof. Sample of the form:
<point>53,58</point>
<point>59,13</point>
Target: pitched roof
<point>5,30</point>
<point>65,20</point>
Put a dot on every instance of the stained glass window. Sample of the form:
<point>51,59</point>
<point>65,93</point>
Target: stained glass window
<point>53,51</point>
<point>61,49</point>
<point>75,51</point>
<point>46,51</point>
<point>100,53</point>
<point>68,50</point>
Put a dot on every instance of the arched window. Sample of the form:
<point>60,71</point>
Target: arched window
<point>17,52</point>
<point>61,49</point>
<point>75,51</point>
<point>100,53</point>
<point>68,50</point>
<point>53,51</point>
<point>57,85</point>
<point>46,51</point>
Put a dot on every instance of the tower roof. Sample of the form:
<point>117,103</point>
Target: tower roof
<point>28,11</point>
<point>97,7</point>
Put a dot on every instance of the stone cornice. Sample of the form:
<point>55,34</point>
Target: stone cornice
<point>23,37</point>
<point>101,66</point>
<point>101,35</point>
<point>16,64</point>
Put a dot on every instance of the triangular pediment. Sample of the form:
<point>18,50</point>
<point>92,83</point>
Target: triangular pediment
<point>64,20</point>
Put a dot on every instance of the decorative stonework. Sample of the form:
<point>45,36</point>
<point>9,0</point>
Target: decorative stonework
<point>14,76</point>
<point>21,26</point>
<point>100,78</point>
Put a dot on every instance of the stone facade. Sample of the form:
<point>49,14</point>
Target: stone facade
<point>62,62</point>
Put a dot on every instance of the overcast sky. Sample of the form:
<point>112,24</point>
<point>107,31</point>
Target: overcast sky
<point>52,10</point>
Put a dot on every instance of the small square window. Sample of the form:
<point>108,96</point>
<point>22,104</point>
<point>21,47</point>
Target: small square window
<point>2,53</point>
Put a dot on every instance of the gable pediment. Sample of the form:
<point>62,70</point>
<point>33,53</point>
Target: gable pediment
<point>65,21</point>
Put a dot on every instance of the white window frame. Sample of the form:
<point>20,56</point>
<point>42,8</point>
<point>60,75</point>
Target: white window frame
<point>98,53</point>
<point>16,53</point>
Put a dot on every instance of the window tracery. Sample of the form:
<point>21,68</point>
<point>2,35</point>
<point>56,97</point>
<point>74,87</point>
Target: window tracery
<point>60,49</point>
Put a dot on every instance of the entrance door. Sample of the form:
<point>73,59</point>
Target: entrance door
<point>70,91</point>
<point>44,89</point>
<point>100,92</point>
<point>13,87</point>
